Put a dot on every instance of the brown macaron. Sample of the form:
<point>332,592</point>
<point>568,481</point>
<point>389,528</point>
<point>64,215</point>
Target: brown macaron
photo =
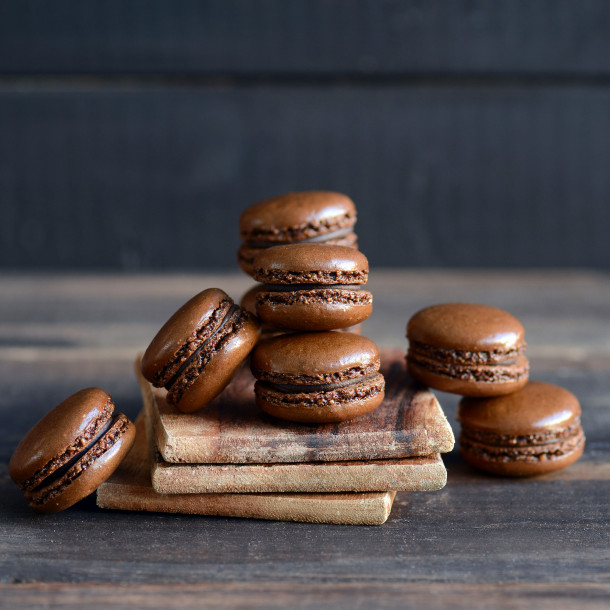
<point>309,216</point>
<point>199,348</point>
<point>312,287</point>
<point>71,451</point>
<point>248,301</point>
<point>532,431</point>
<point>467,349</point>
<point>317,377</point>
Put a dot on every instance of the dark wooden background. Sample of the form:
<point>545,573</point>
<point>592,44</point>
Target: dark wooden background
<point>469,133</point>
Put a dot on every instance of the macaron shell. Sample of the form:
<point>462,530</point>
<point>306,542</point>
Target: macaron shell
<point>91,478</point>
<point>330,413</point>
<point>520,467</point>
<point>536,408</point>
<point>247,253</point>
<point>305,213</point>
<point>319,314</point>
<point>321,354</point>
<point>58,430</point>
<point>221,367</point>
<point>466,326</point>
<point>472,388</point>
<point>176,331</point>
<point>310,259</point>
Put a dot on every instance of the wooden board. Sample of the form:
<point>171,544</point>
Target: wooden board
<point>426,473</point>
<point>130,488</point>
<point>232,430</point>
<point>480,542</point>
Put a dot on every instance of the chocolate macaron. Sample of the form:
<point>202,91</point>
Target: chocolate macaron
<point>199,348</point>
<point>305,217</point>
<point>467,349</point>
<point>317,377</point>
<point>312,287</point>
<point>248,301</point>
<point>71,451</point>
<point>532,431</point>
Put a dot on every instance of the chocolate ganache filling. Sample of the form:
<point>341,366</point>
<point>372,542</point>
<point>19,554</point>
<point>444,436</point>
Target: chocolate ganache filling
<point>203,346</point>
<point>293,388</point>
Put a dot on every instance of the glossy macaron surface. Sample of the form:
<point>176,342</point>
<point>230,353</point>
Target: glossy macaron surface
<point>297,216</point>
<point>71,451</point>
<point>314,357</point>
<point>538,407</point>
<point>466,326</point>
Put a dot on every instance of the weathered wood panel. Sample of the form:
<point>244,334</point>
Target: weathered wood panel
<point>547,539</point>
<point>305,37</point>
<point>442,176</point>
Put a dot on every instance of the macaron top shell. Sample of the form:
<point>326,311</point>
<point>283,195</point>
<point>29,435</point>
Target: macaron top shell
<point>69,426</point>
<point>537,407</point>
<point>295,216</point>
<point>321,357</point>
<point>466,326</point>
<point>183,332</point>
<point>311,264</point>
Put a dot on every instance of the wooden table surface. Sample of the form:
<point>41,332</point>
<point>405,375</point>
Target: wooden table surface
<point>480,542</point>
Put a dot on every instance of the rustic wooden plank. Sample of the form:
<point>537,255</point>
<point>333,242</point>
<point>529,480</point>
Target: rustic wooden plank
<point>130,488</point>
<point>358,37</point>
<point>269,593</point>
<point>542,538</point>
<point>425,473</point>
<point>442,175</point>
<point>232,430</point>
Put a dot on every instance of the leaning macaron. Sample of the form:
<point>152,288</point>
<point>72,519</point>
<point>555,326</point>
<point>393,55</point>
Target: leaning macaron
<point>303,217</point>
<point>197,351</point>
<point>317,377</point>
<point>532,431</point>
<point>71,451</point>
<point>312,287</point>
<point>467,349</point>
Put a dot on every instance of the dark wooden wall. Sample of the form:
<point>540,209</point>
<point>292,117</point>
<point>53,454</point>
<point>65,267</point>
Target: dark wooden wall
<point>469,133</point>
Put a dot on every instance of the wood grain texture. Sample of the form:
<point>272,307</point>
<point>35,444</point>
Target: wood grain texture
<point>304,37</point>
<point>130,488</point>
<point>427,473</point>
<point>271,594</point>
<point>232,430</point>
<point>479,541</point>
<point>433,170</point>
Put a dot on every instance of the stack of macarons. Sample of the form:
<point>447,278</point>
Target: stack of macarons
<point>510,425</point>
<point>302,250</point>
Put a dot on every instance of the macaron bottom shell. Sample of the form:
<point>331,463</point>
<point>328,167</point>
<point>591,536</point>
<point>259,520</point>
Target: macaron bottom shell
<point>522,461</point>
<point>493,380</point>
<point>247,252</point>
<point>88,473</point>
<point>321,407</point>
<point>314,312</point>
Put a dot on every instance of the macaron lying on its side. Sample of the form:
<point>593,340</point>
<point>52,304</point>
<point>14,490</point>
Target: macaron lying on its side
<point>304,217</point>
<point>71,451</point>
<point>532,431</point>
<point>197,351</point>
<point>467,349</point>
<point>312,287</point>
<point>317,377</point>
